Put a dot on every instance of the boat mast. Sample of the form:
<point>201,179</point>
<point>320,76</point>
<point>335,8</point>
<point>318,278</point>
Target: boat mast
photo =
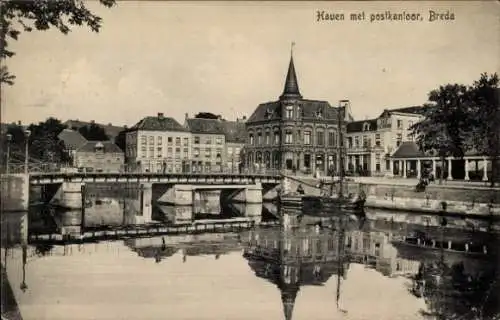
<point>340,148</point>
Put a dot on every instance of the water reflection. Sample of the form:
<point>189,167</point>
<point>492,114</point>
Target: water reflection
<point>425,269</point>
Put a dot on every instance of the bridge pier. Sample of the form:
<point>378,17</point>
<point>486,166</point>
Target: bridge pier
<point>15,192</point>
<point>146,203</point>
<point>68,195</point>
<point>270,193</point>
<point>250,194</point>
<point>177,194</point>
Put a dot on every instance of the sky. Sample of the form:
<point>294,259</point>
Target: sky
<point>226,58</point>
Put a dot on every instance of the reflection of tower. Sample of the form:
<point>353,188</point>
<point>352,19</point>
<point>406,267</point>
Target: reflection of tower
<point>288,295</point>
<point>295,255</point>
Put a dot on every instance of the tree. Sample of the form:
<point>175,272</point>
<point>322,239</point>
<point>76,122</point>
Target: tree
<point>445,129</point>
<point>93,132</point>
<point>44,144</point>
<point>206,115</point>
<point>485,118</point>
<point>16,15</point>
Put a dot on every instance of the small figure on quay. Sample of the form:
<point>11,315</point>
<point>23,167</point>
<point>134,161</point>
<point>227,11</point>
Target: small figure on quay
<point>300,189</point>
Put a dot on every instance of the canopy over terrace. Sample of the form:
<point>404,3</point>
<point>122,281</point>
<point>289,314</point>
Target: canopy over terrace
<point>409,161</point>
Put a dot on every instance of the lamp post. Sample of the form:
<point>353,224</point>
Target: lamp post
<point>27,134</point>
<point>9,139</point>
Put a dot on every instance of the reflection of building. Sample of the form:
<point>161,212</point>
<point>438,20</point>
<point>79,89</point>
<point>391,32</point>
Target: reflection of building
<point>216,244</point>
<point>293,132</point>
<point>158,144</point>
<point>208,146</point>
<point>295,257</point>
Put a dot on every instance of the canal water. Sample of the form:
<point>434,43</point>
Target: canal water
<point>385,266</point>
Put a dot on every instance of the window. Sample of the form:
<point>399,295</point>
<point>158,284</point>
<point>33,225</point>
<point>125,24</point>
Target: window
<point>377,162</point>
<point>387,165</point>
<point>288,136</point>
<point>218,140</point>
<point>277,138</point>
<point>307,137</point>
<point>229,151</point>
<point>331,138</point>
<point>151,140</point>
<point>196,140</point>
<point>400,124</point>
<point>186,153</point>
<point>251,138</point>
<point>177,141</point>
<point>410,123</point>
<point>208,140</point>
<point>218,153</point>
<point>399,138</point>
<point>365,142</point>
<point>268,138</point>
<point>320,138</point>
<point>158,140</point>
<point>169,152</point>
<point>186,141</point>
<point>366,126</point>
<point>349,142</point>
<point>177,153</point>
<point>169,140</point>
<point>159,149</point>
<point>196,152</point>
<point>208,153</point>
<point>377,139</point>
<point>289,112</point>
<point>237,151</point>
<point>144,140</point>
<point>259,138</point>
<point>356,141</point>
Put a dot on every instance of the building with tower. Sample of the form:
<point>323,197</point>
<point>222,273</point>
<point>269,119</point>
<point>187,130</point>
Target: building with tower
<point>293,133</point>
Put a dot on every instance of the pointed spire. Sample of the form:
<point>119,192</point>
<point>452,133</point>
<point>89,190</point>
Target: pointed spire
<point>288,299</point>
<point>291,89</point>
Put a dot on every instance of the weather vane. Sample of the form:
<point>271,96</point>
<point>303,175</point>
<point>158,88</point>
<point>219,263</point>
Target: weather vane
<point>291,47</point>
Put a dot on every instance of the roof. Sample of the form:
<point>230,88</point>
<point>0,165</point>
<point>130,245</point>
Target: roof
<point>111,130</point>
<point>235,131</point>
<point>417,110</point>
<point>291,89</point>
<point>208,126</point>
<point>72,139</point>
<point>159,124</point>
<point>408,149</point>
<point>108,147</point>
<point>359,126</point>
<point>310,110</point>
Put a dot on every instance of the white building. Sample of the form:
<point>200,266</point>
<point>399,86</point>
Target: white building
<point>157,144</point>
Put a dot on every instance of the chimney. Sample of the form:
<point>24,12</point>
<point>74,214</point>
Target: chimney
<point>110,124</point>
<point>219,117</point>
<point>92,121</point>
<point>160,115</point>
<point>186,116</point>
<point>125,127</point>
<point>19,123</point>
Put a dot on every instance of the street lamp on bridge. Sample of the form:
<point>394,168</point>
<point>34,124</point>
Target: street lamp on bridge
<point>27,134</point>
<point>9,139</point>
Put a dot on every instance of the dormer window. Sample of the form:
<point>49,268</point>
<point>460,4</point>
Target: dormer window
<point>319,114</point>
<point>289,112</point>
<point>366,126</point>
<point>99,147</point>
<point>269,113</point>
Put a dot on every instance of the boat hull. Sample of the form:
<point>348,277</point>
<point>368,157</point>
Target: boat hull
<point>324,206</point>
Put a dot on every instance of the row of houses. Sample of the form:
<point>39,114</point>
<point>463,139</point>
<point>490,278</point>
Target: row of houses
<point>161,144</point>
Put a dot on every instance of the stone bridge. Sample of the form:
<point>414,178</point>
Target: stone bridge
<point>66,190</point>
